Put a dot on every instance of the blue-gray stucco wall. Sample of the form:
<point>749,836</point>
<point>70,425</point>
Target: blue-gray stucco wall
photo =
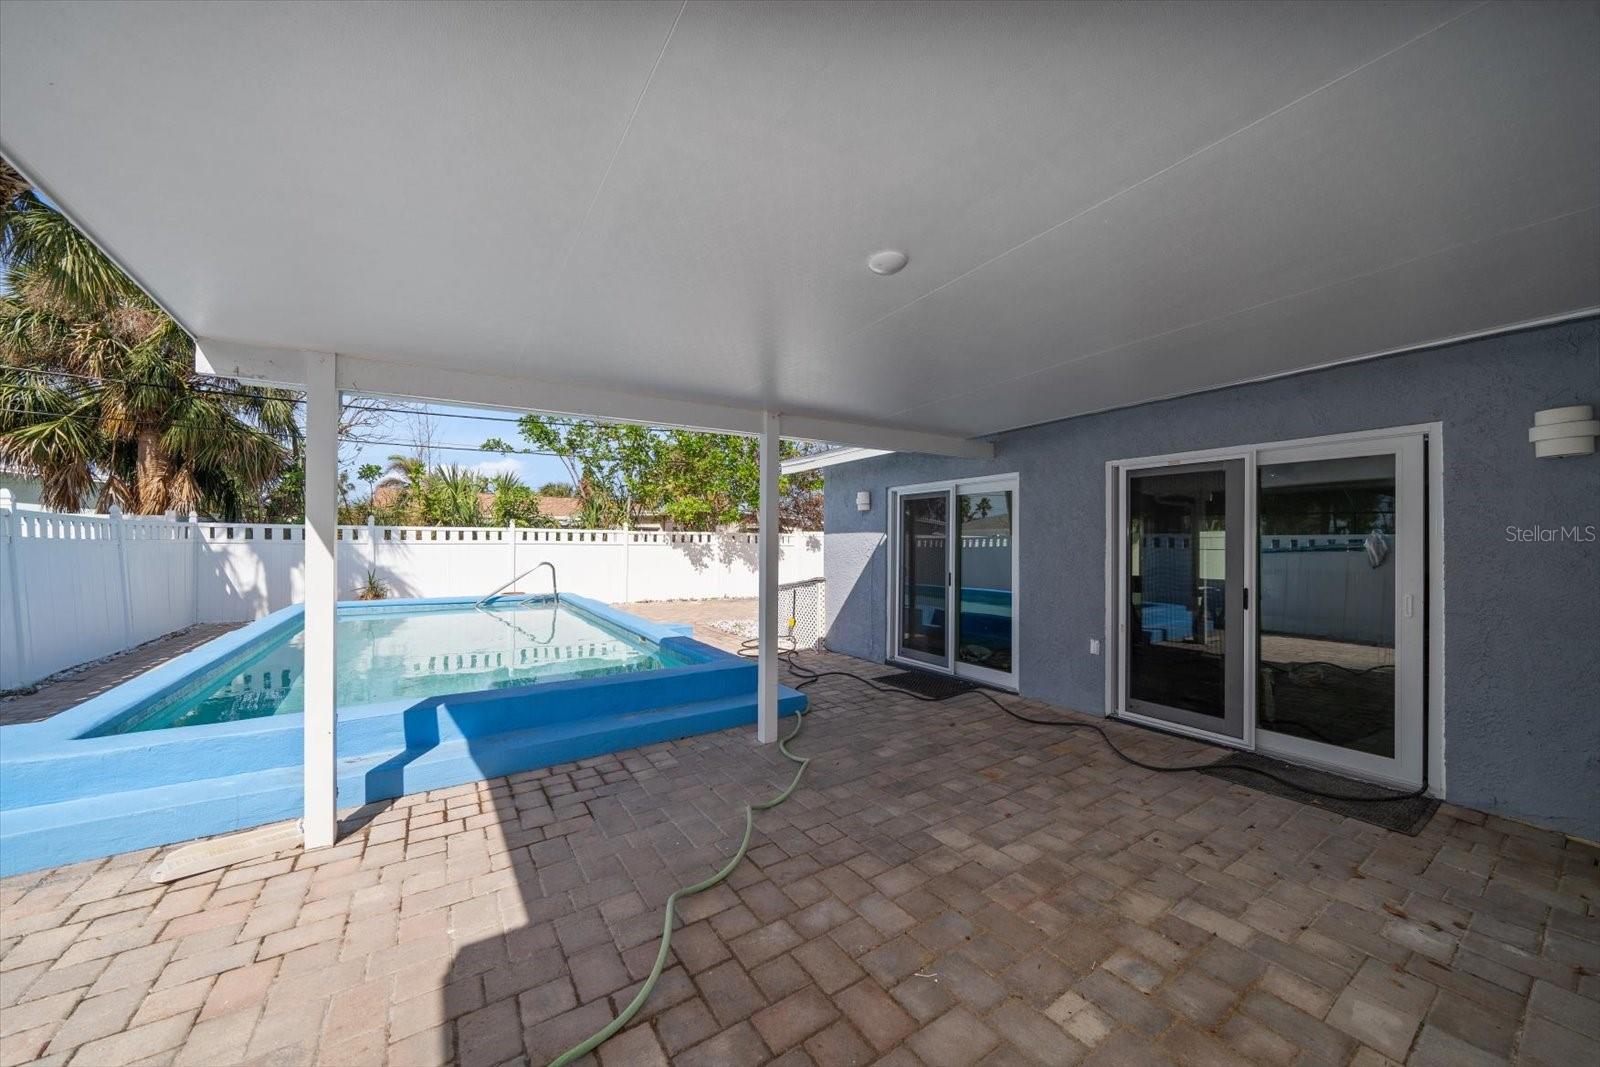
<point>1522,620</point>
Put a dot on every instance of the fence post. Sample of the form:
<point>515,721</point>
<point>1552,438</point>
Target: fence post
<point>19,634</point>
<point>118,533</point>
<point>196,558</point>
<point>511,532</point>
<point>372,541</point>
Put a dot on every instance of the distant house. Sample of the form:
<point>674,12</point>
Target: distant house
<point>25,488</point>
<point>27,493</point>
<point>562,510</point>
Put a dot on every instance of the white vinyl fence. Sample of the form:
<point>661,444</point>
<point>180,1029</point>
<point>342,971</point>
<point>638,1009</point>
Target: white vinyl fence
<point>74,588</point>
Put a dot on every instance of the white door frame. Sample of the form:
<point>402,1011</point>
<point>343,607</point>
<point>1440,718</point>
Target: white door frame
<point>1433,607</point>
<point>897,498</point>
<point>1409,604</point>
<point>1247,739</point>
<point>954,487</point>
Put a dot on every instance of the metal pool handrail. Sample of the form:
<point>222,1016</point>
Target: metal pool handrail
<point>555,591</point>
<point>516,627</point>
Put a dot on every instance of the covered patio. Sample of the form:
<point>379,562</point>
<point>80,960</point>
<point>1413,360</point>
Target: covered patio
<point>907,231</point>
<point>951,886</point>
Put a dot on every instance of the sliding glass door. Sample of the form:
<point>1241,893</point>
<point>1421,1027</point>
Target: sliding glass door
<point>1339,675</point>
<point>985,570</point>
<point>1183,595</point>
<point>1273,598</point>
<point>924,579</point>
<point>955,573</point>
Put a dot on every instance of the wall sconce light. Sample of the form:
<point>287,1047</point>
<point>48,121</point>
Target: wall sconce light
<point>864,498</point>
<point>1568,431</point>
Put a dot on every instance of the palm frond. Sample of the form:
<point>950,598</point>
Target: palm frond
<point>39,245</point>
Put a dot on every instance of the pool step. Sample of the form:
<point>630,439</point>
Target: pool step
<point>415,770</point>
<point>47,835</point>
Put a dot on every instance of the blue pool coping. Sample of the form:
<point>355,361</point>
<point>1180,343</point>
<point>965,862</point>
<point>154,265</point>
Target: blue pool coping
<point>66,796</point>
<point>105,708</point>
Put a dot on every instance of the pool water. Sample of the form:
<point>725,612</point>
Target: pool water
<point>408,653</point>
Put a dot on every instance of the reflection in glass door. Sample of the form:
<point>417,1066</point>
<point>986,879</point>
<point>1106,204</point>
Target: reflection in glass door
<point>954,597</point>
<point>1326,666</point>
<point>923,551</point>
<point>1184,595</point>
<point>1339,677</point>
<point>984,579</point>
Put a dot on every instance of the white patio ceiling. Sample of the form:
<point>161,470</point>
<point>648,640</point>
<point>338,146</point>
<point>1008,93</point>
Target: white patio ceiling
<point>662,211</point>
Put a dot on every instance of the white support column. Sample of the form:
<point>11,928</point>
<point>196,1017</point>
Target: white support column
<point>767,577</point>
<point>322,593</point>
<point>119,530</point>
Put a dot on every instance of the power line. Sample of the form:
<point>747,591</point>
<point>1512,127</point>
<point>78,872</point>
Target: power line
<point>452,448</point>
<point>295,399</point>
<point>349,438</point>
<point>512,419</point>
<point>199,388</point>
<point>124,419</point>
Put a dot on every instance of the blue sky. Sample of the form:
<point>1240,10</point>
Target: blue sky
<point>449,425</point>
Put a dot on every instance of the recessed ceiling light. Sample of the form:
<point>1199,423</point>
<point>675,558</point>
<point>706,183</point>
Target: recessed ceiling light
<point>889,261</point>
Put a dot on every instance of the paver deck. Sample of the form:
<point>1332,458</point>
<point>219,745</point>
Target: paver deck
<point>71,688</point>
<point>948,886</point>
<point>704,615</point>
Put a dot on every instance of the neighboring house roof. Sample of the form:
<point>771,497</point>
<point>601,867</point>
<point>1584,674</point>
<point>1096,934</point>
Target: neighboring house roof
<point>385,496</point>
<point>559,507</point>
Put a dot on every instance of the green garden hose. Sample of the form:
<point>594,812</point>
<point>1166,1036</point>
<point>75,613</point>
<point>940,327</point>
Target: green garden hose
<point>594,1041</point>
<point>787,655</point>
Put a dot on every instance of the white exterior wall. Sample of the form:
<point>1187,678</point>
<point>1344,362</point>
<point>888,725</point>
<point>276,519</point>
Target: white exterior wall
<point>74,588</point>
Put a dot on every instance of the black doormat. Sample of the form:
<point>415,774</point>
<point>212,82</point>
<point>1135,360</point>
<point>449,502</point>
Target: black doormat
<point>928,684</point>
<point>1407,816</point>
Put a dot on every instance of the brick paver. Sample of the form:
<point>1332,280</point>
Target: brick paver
<point>948,886</point>
<point>72,687</point>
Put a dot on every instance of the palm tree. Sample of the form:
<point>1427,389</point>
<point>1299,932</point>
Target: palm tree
<point>404,479</point>
<point>97,384</point>
<point>451,496</point>
<point>515,502</point>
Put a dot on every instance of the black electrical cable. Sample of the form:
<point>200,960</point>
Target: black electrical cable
<point>788,656</point>
<point>101,420</point>
<point>292,397</point>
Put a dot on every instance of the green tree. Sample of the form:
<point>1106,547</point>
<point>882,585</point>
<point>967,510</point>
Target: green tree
<point>515,502</point>
<point>403,482</point>
<point>615,466</point>
<point>561,489</point>
<point>450,496</point>
<point>701,481</point>
<point>97,385</point>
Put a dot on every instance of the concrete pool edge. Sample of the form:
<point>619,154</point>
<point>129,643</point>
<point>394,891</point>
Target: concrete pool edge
<point>64,796</point>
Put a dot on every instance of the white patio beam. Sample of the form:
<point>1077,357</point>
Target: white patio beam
<point>819,460</point>
<point>767,584</point>
<point>376,377</point>
<point>320,820</point>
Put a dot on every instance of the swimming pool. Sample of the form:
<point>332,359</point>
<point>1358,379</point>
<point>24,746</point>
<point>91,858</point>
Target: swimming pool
<point>430,693</point>
<point>408,652</point>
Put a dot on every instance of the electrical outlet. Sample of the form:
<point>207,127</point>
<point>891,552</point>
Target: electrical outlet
<point>1094,646</point>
